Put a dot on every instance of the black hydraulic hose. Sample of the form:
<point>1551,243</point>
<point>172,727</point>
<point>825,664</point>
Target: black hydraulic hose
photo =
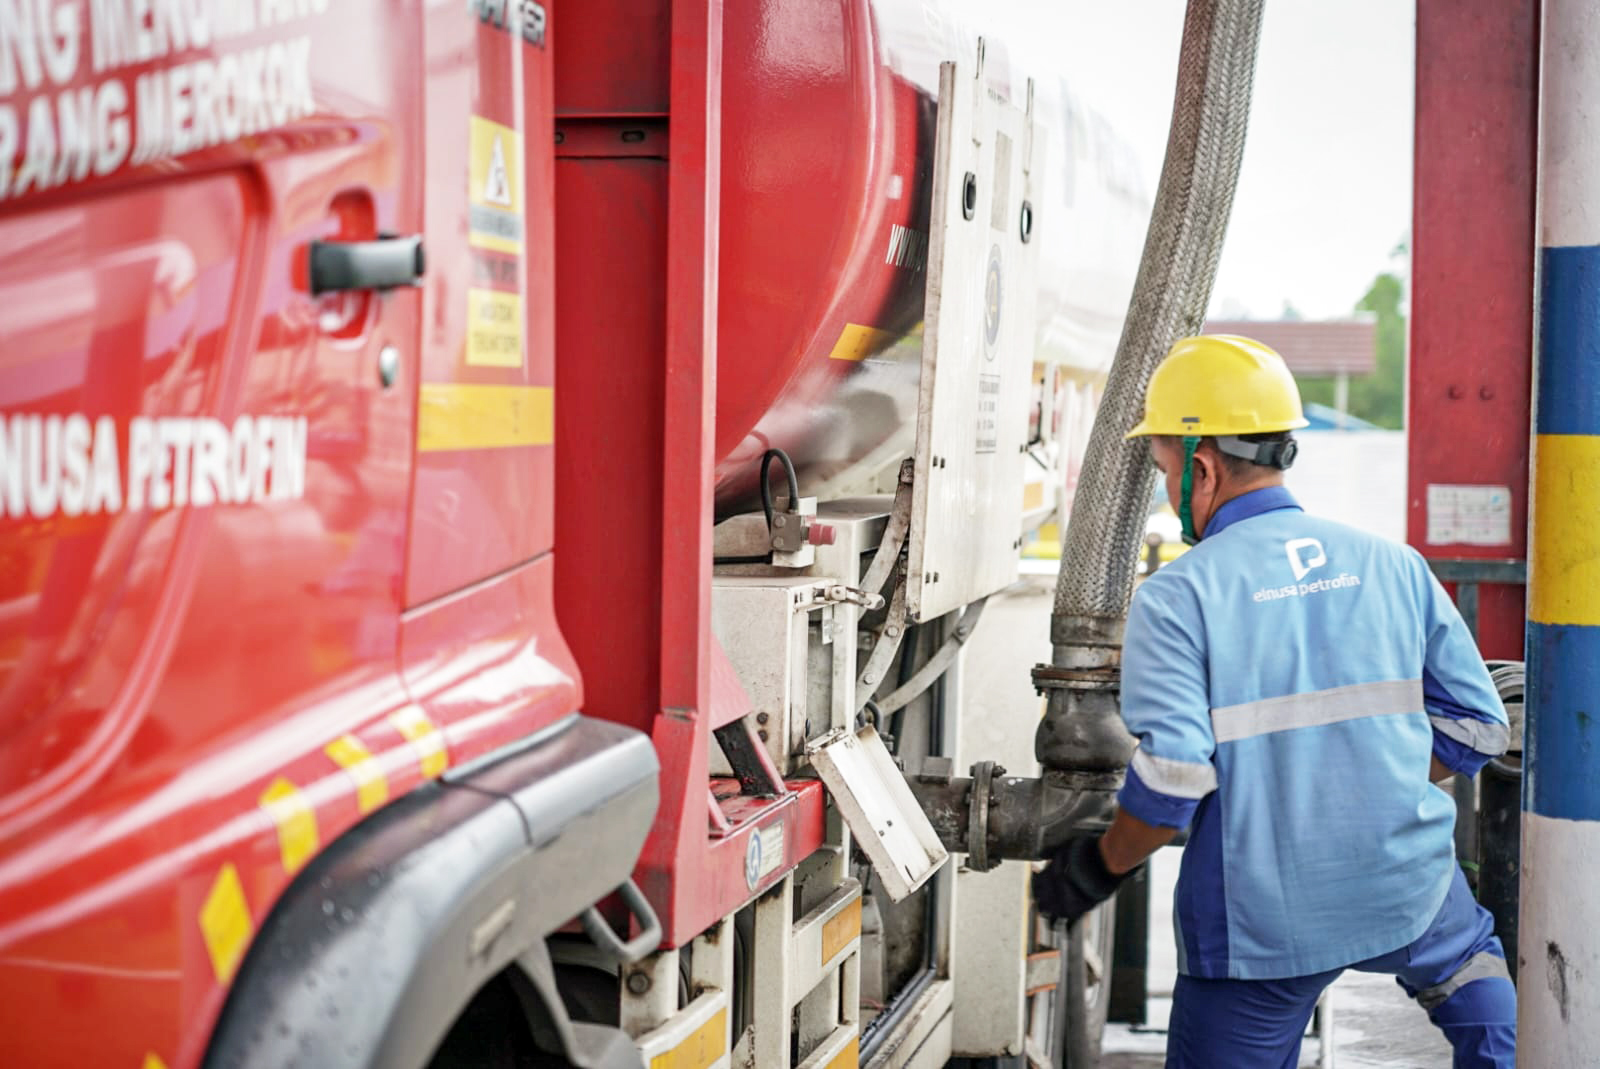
<point>766,502</point>
<point>766,485</point>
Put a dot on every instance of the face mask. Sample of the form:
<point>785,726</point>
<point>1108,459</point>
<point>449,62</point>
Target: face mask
<point>1185,509</point>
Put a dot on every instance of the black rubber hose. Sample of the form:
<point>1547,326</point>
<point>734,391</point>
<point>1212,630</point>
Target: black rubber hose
<point>766,485</point>
<point>766,501</point>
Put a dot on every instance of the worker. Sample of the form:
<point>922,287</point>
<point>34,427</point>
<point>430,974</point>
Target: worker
<point>1298,689</point>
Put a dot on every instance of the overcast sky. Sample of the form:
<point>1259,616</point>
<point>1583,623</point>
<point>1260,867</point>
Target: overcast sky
<point>1325,192</point>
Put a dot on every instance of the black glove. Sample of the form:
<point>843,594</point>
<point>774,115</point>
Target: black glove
<point>1075,881</point>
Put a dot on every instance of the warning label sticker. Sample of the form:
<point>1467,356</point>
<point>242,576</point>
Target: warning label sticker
<point>1469,515</point>
<point>494,329</point>
<point>988,438</point>
<point>495,187</point>
<point>494,207</point>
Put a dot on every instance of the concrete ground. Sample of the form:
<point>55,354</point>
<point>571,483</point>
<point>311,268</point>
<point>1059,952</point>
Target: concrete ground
<point>1374,1023</point>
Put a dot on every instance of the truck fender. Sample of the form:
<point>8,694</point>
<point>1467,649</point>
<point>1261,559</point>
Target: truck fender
<point>375,948</point>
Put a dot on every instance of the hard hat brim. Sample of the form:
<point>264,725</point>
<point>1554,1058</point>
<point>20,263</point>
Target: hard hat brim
<point>1145,429</point>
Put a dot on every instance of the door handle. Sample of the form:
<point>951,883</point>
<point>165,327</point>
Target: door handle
<point>383,264</point>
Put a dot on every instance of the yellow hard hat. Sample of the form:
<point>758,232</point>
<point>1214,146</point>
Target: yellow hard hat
<point>1220,384</point>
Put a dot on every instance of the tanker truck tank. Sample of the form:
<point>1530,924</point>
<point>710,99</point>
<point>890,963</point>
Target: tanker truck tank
<point>828,131</point>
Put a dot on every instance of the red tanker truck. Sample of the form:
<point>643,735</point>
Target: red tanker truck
<point>491,499</point>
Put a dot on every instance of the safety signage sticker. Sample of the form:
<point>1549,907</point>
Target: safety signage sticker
<point>1469,515</point>
<point>764,854</point>
<point>494,301</point>
<point>494,187</point>
<point>494,328</point>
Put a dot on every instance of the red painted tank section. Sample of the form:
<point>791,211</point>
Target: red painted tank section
<point>825,151</point>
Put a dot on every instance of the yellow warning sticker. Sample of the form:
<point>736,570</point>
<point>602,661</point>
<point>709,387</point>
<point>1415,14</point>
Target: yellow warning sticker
<point>225,923</point>
<point>494,328</point>
<point>153,1061</point>
<point>296,821</point>
<point>494,186</point>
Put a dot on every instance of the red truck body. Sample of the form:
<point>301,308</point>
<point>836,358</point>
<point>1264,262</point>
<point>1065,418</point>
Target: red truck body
<point>279,547</point>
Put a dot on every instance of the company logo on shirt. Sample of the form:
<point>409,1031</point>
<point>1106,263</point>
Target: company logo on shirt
<point>1305,556</point>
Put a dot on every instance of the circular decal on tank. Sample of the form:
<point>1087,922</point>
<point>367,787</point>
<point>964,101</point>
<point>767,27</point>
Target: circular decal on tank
<point>991,303</point>
<point>752,862</point>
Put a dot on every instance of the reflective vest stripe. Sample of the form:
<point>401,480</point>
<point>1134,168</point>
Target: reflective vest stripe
<point>1316,708</point>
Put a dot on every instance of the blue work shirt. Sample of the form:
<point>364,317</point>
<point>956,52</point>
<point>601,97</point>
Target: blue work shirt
<point>1288,680</point>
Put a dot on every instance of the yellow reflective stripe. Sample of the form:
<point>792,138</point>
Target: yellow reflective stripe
<point>372,788</point>
<point>225,923</point>
<point>425,739</point>
<point>857,342</point>
<point>462,415</point>
<point>839,929</point>
<point>702,1047</point>
<point>153,1061</point>
<point>849,1058</point>
<point>1564,569</point>
<point>296,821</point>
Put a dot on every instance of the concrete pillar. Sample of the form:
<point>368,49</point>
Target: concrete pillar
<point>1559,952</point>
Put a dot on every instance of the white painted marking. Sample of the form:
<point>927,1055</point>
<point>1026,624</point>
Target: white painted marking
<point>1558,967</point>
<point>1570,123</point>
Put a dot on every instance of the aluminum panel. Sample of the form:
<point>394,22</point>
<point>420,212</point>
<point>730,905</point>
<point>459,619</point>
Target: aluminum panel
<point>977,354</point>
<point>883,815</point>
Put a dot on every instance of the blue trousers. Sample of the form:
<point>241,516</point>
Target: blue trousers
<point>1455,970</point>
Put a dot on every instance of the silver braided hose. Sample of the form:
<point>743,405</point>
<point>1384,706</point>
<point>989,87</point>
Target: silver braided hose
<point>1215,68</point>
<point>1081,736</point>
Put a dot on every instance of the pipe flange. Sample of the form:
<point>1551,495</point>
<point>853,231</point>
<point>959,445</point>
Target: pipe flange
<point>1049,677</point>
<point>983,774</point>
<point>1086,781</point>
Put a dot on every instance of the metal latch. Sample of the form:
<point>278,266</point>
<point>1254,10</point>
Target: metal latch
<point>839,594</point>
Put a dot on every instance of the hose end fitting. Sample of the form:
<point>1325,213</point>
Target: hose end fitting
<point>1082,727</point>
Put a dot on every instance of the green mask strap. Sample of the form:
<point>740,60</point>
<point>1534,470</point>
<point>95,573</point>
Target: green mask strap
<point>1185,510</point>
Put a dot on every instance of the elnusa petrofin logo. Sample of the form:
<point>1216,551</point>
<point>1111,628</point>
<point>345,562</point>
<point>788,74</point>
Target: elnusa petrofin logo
<point>1306,555</point>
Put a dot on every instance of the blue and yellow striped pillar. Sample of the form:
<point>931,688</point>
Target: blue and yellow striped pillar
<point>1559,929</point>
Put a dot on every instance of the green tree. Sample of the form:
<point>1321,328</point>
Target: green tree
<point>1381,396</point>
